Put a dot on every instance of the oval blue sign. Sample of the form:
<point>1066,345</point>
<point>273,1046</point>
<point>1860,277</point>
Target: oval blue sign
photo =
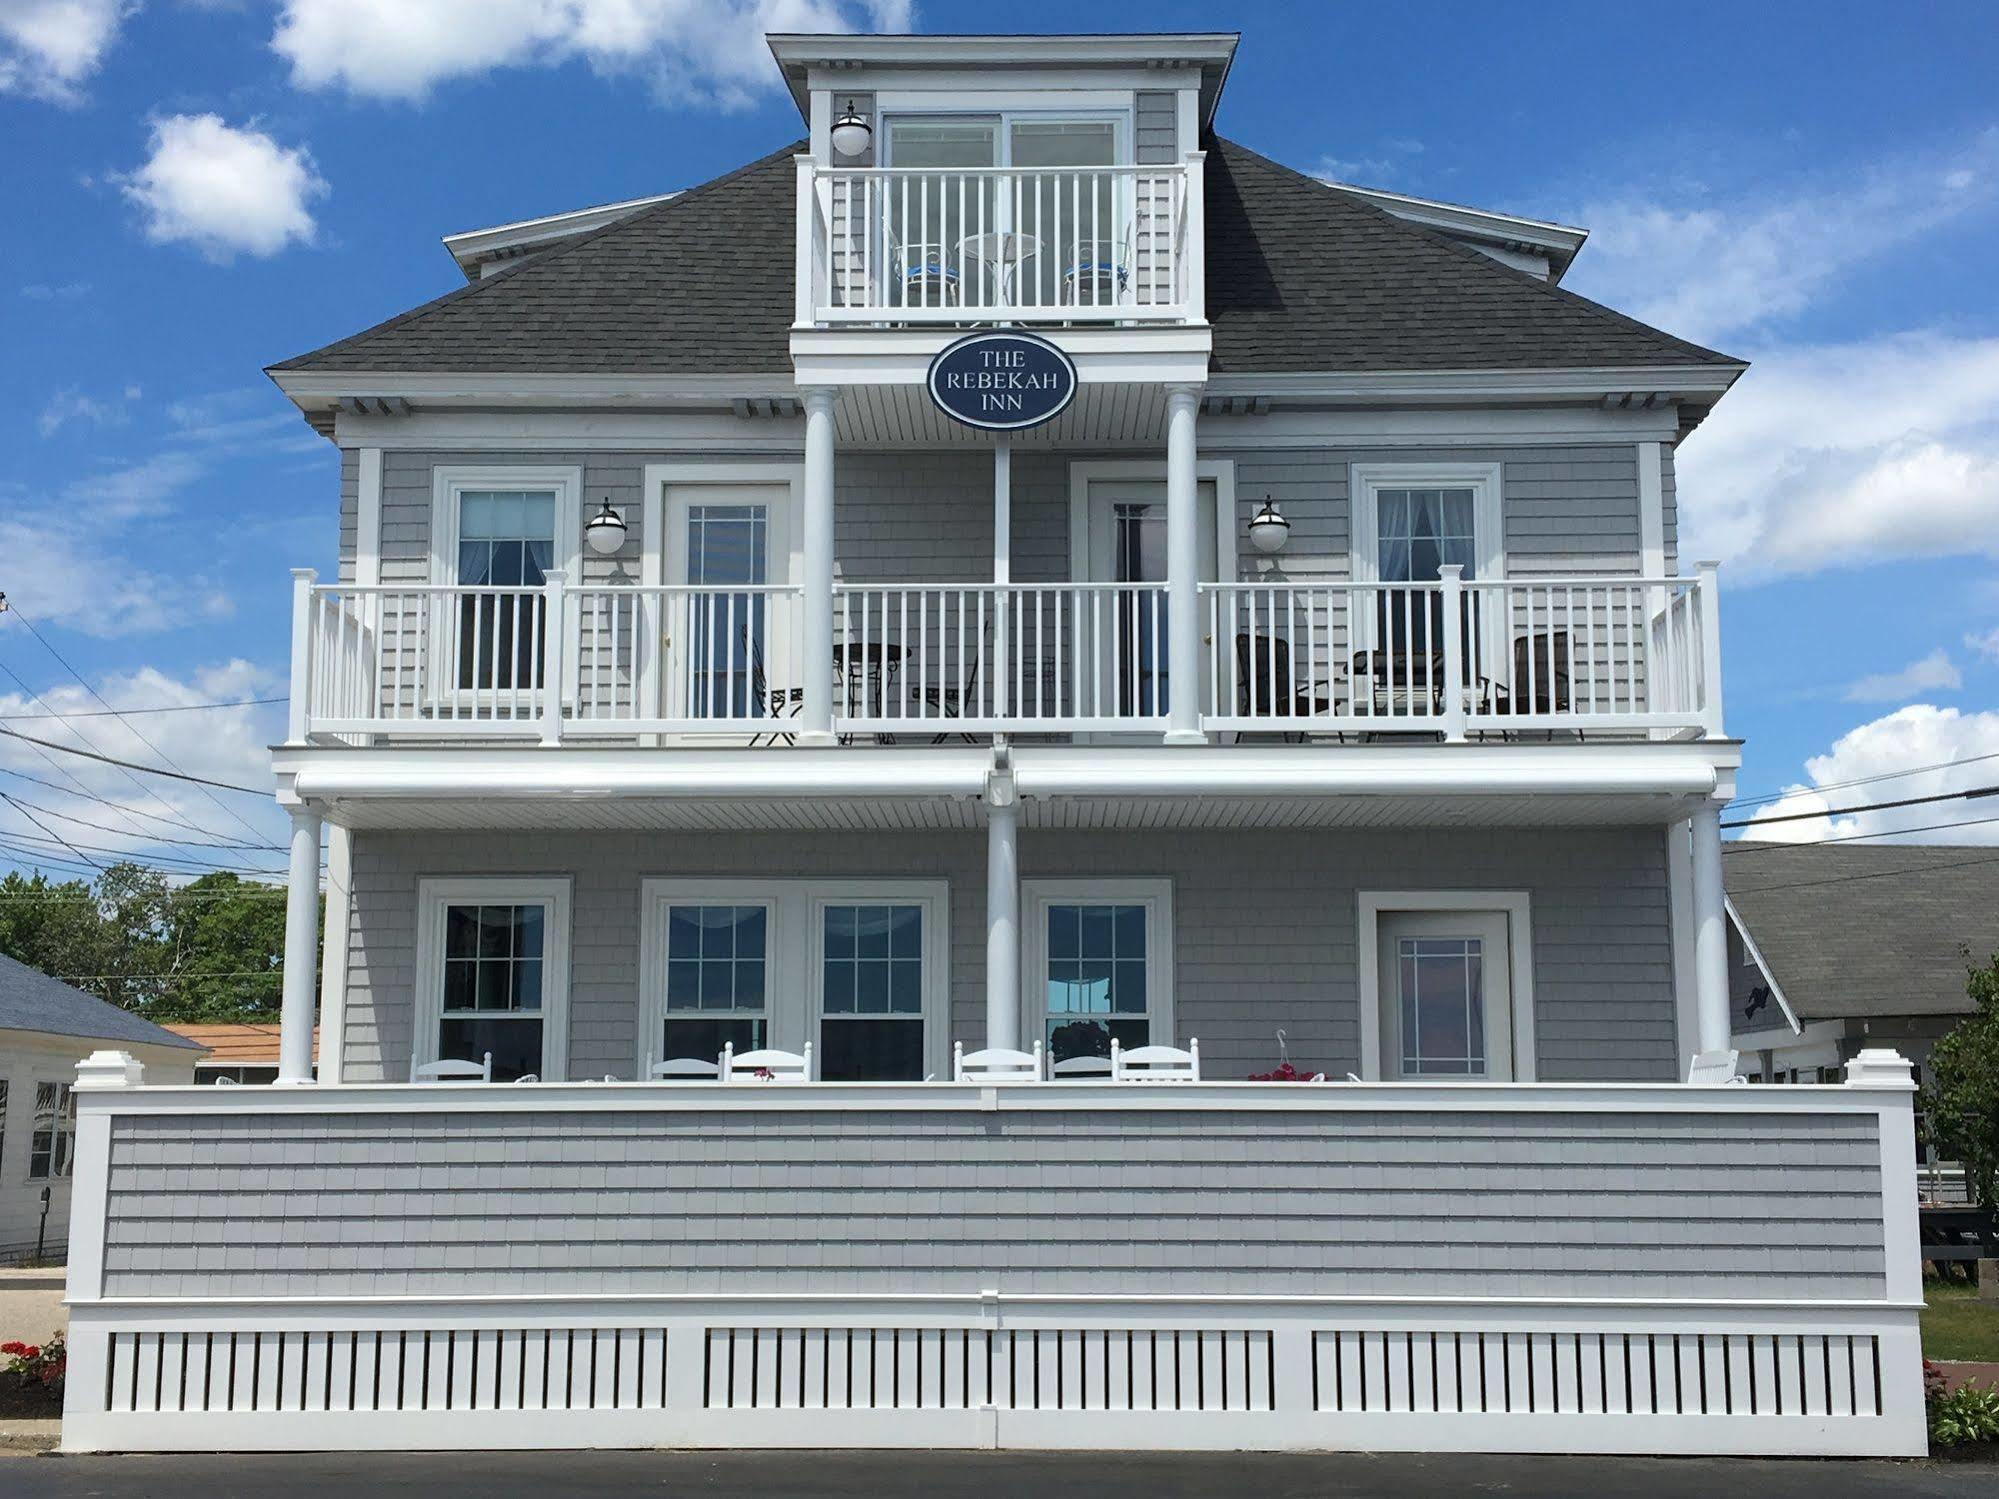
<point>1002,381</point>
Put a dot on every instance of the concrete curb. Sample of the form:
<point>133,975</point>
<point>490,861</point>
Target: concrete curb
<point>42,1435</point>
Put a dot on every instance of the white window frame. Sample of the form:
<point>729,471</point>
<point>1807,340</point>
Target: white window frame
<point>553,893</point>
<point>1515,905</point>
<point>448,483</point>
<point>794,946</point>
<point>1156,894</point>
<point>64,1133</point>
<point>1485,480</point>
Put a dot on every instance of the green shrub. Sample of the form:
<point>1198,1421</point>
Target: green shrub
<point>1969,1413</point>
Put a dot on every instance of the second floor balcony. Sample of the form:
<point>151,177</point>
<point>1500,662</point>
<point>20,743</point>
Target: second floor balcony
<point>1541,658</point>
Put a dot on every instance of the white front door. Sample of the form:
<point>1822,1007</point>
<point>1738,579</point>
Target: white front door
<point>1127,544</point>
<point>1446,995</point>
<point>730,646</point>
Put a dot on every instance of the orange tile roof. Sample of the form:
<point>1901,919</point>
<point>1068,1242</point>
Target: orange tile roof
<point>238,1045</point>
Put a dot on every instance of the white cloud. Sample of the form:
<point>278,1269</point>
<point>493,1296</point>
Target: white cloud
<point>1849,454</point>
<point>1712,270</point>
<point>68,291</point>
<point>70,404</point>
<point>1985,644</point>
<point>1921,734</point>
<point>700,52</point>
<point>48,48</point>
<point>1933,672</point>
<point>223,189</point>
<point>1388,168</point>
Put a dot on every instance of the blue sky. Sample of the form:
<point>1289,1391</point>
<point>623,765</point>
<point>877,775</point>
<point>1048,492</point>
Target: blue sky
<point>196,188</point>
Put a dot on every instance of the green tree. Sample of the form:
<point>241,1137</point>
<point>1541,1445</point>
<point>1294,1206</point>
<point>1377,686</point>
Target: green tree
<point>1962,1097</point>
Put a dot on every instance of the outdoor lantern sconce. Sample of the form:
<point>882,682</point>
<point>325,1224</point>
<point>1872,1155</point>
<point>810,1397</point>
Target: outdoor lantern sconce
<point>1268,531</point>
<point>851,133</point>
<point>605,531</point>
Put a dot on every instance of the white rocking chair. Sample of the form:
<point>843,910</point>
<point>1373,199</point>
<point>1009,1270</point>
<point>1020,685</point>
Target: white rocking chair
<point>682,1067</point>
<point>451,1070</point>
<point>782,1066</point>
<point>1156,1064</point>
<point>1081,1068</point>
<point>995,1064</point>
<point>1711,1067</point>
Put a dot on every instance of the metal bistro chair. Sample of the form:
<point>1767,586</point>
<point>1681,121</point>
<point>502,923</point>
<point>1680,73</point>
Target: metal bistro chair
<point>995,1064</point>
<point>452,1070</point>
<point>1264,685</point>
<point>954,699</point>
<point>1540,680</point>
<point>921,274</point>
<point>783,1066</point>
<point>1156,1064</point>
<point>1101,274</point>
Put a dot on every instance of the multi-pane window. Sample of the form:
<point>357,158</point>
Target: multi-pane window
<point>1417,532</point>
<point>717,967</point>
<point>1099,985</point>
<point>727,544</point>
<point>871,996</point>
<point>54,1140</point>
<point>506,543</point>
<point>494,957</point>
<point>1441,982</point>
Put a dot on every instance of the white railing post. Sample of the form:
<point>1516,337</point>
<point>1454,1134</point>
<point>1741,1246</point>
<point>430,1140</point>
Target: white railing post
<point>1711,1008</point>
<point>805,273</point>
<point>300,978</point>
<point>1195,272</point>
<point>1002,906</point>
<point>816,713</point>
<point>1901,1355</point>
<point>299,711</point>
<point>1451,575</point>
<point>554,659</point>
<point>1710,615</point>
<point>1183,569</point>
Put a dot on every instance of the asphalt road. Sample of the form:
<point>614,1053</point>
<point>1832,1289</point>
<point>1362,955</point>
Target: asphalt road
<point>963,1475</point>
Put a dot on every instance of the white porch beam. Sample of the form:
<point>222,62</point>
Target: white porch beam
<point>1710,931</point>
<point>1183,568</point>
<point>1002,907</point>
<point>816,714</point>
<point>301,971</point>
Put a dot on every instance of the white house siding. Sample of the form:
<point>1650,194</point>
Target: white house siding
<point>1265,925</point>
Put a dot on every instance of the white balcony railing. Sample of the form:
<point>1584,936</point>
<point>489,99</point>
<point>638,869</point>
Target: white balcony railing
<point>913,245</point>
<point>557,662</point>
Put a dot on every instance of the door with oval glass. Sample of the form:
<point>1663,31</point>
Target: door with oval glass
<point>1446,996</point>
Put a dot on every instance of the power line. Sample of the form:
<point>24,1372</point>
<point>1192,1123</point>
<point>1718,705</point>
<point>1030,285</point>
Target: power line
<point>248,702</point>
<point>1843,879</point>
<point>207,865</point>
<point>1754,846</point>
<point>18,807</point>
<point>1886,775</point>
<point>173,775</point>
<point>165,978</point>
<point>63,660</point>
<point>1907,801</point>
<point>105,827</point>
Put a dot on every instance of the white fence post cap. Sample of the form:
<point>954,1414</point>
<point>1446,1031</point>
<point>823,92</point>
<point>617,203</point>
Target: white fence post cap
<point>109,1069</point>
<point>1880,1067</point>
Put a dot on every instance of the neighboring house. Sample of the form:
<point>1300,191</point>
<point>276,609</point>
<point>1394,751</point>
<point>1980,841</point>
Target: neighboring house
<point>239,1053</point>
<point>745,639</point>
<point>46,1028</point>
<point>1836,948</point>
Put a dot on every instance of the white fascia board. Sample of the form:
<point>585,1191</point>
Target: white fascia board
<point>1700,381</point>
<point>1560,242</point>
<point>1756,956</point>
<point>1176,355</point>
<point>1818,1033</point>
<point>471,246</point>
<point>321,388</point>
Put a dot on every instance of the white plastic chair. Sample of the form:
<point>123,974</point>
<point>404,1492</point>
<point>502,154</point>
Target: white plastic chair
<point>451,1070</point>
<point>1712,1067</point>
<point>1081,1067</point>
<point>1156,1064</point>
<point>682,1067</point>
<point>527,1077</point>
<point>783,1066</point>
<point>995,1064</point>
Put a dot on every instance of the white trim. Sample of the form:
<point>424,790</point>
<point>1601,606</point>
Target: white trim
<point>1155,894</point>
<point>1680,912</point>
<point>1516,906</point>
<point>793,975</point>
<point>1557,243</point>
<point>471,247</point>
<point>1651,510</point>
<point>1756,956</point>
<point>368,517</point>
<point>551,892</point>
<point>331,1061</point>
<point>1083,472</point>
<point>1485,480</point>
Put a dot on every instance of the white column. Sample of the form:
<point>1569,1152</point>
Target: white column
<point>816,716</point>
<point>1002,668</point>
<point>1710,932</point>
<point>1183,569</point>
<point>301,971</point>
<point>1002,913</point>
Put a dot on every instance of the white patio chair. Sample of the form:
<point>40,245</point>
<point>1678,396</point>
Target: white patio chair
<point>682,1067</point>
<point>451,1070</point>
<point>995,1064</point>
<point>1081,1067</point>
<point>783,1066</point>
<point>1156,1064</point>
<point>1711,1067</point>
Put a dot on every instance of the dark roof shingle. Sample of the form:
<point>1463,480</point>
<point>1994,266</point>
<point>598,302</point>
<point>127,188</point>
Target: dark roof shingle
<point>1300,277</point>
<point>32,1001</point>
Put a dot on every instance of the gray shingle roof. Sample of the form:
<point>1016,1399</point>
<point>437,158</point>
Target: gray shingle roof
<point>1853,932</point>
<point>32,1001</point>
<point>1301,277</point>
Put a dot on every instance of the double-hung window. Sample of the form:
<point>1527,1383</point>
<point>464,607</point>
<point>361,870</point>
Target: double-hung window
<point>1409,522</point>
<point>871,992</point>
<point>51,1148</point>
<point>717,979</point>
<point>497,534</point>
<point>1099,964</point>
<point>493,963</point>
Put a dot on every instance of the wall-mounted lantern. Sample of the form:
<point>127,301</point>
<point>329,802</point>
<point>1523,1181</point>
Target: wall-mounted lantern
<point>1268,530</point>
<point>851,132</point>
<point>605,531</point>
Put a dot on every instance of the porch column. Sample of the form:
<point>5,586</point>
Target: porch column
<point>301,971</point>
<point>1183,569</point>
<point>1002,906</point>
<point>816,714</point>
<point>1710,932</point>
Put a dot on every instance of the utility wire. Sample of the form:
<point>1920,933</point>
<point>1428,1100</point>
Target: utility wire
<point>174,775</point>
<point>205,865</point>
<point>18,807</point>
<point>248,702</point>
<point>1907,801</point>
<point>1886,775</point>
<point>105,827</point>
<point>1755,846</point>
<point>1843,879</point>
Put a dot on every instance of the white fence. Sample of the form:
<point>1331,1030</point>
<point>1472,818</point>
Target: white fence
<point>432,1294</point>
<point>1076,244</point>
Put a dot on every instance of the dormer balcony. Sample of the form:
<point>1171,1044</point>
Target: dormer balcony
<point>925,247</point>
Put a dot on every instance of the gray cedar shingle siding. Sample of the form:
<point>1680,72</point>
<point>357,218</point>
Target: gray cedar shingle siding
<point>1239,1203</point>
<point>1265,928</point>
<point>1300,277</point>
